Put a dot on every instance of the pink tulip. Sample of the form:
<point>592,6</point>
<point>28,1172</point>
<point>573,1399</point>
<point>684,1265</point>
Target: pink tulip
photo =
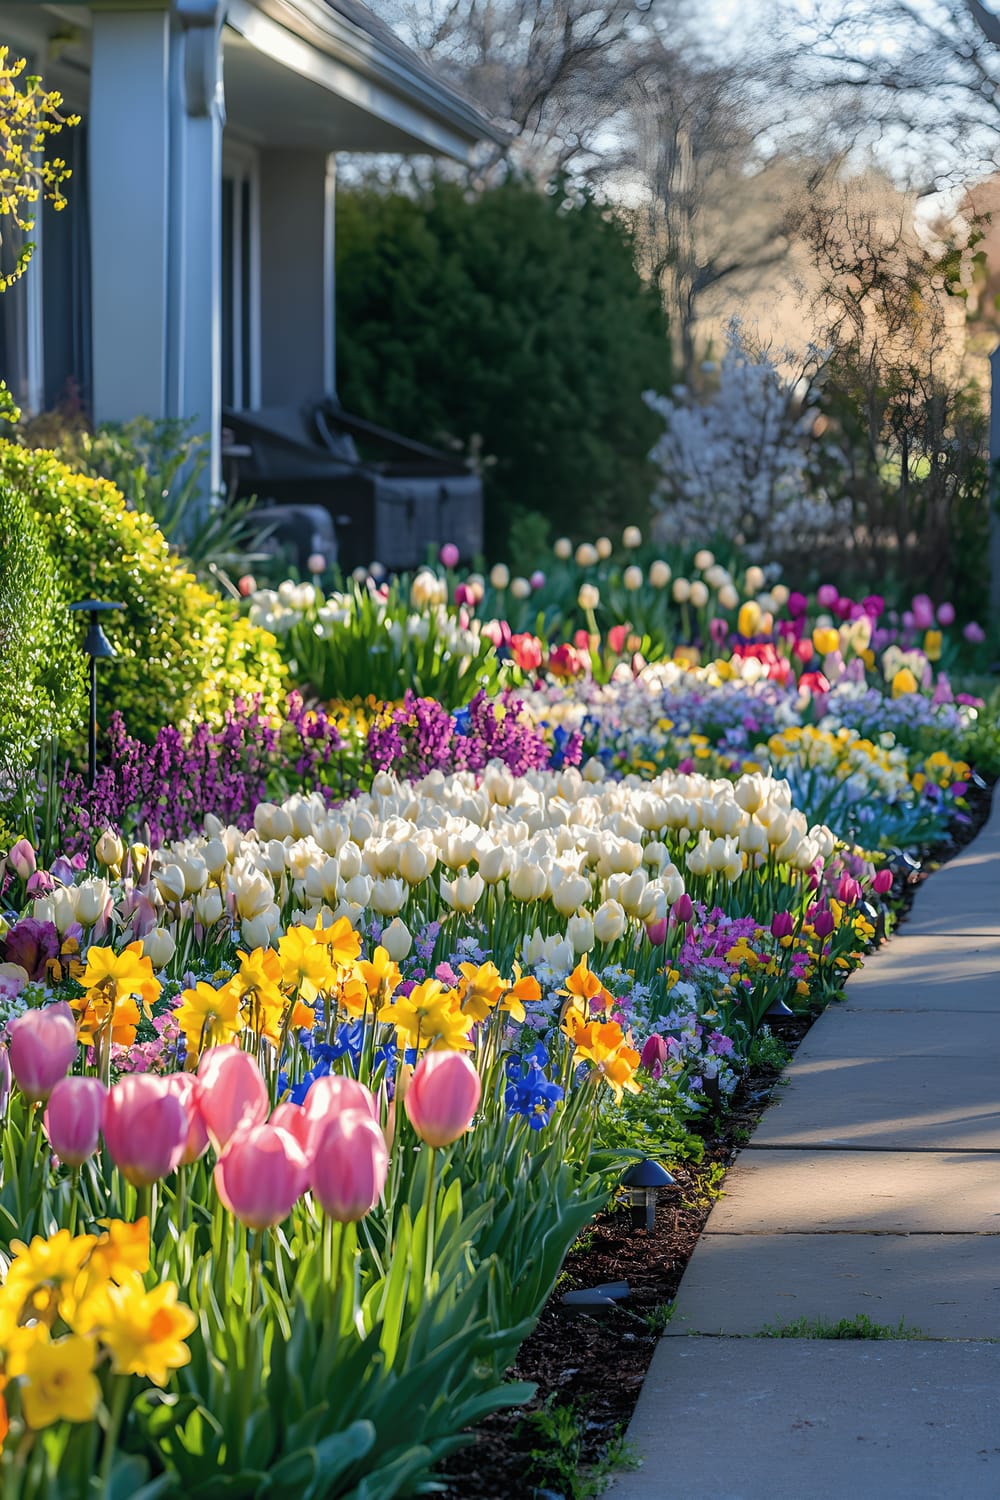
<point>261,1174</point>
<point>22,859</point>
<point>848,890</point>
<point>537,580</point>
<point>185,1086</point>
<point>73,1118</point>
<point>946,614</point>
<point>683,908</point>
<point>443,1096</point>
<point>42,1049</point>
<point>974,633</point>
<point>349,1166</point>
<point>654,1055</point>
<point>923,612</point>
<point>146,1127</point>
<point>657,932</point>
<point>882,883</point>
<point>827,595</point>
<point>449,555</point>
<point>327,1098</point>
<point>231,1092</point>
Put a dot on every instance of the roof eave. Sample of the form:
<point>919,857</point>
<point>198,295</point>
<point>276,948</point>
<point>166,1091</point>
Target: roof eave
<point>320,26</point>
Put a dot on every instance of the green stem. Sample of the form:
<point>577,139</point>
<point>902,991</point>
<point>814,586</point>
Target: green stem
<point>430,1201</point>
<point>111,1433</point>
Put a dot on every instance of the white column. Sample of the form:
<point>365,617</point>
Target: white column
<point>194,305</point>
<point>296,276</point>
<point>129,124</point>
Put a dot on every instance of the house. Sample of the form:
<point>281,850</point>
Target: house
<point>193,267</point>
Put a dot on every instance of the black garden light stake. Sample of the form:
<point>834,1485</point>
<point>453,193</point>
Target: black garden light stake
<point>95,645</point>
<point>642,1181</point>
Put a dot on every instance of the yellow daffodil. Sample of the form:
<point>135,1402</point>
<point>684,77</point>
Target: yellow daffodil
<point>381,976</point>
<point>145,1331</point>
<point>208,1017</point>
<point>59,1384</point>
<point>341,942</point>
<point>429,1015</point>
<point>305,962</point>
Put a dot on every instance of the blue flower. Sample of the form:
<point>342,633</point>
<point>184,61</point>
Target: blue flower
<point>529,1091</point>
<point>462,719</point>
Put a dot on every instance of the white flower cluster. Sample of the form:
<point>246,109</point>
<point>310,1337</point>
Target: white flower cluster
<point>736,464</point>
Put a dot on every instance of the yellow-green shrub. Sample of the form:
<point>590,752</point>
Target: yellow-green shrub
<point>183,653</point>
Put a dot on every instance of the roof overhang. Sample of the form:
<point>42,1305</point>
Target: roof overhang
<point>298,74</point>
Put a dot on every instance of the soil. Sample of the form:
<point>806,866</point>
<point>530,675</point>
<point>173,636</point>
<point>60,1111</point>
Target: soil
<point>595,1364</point>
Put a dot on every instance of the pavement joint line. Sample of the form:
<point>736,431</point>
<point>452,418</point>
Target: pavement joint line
<point>899,1234</point>
<point>873,1150</point>
<point>759,1338</point>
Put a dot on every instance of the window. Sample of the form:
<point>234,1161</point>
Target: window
<point>240,279</point>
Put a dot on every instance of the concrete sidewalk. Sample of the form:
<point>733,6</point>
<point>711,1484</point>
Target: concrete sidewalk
<point>872,1187</point>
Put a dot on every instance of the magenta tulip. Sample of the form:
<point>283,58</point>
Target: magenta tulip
<point>349,1165</point>
<point>782,925</point>
<point>823,924</point>
<point>231,1093</point>
<point>185,1086</point>
<point>882,882</point>
<point>946,614</point>
<point>654,1055</point>
<point>443,1096</point>
<point>683,908</point>
<point>146,1127</point>
<point>261,1174</point>
<point>657,932</point>
<point>42,1049</point>
<point>73,1118</point>
<point>449,555</point>
<point>848,890</point>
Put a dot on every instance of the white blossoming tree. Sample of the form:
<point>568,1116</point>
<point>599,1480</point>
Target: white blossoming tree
<point>737,463</point>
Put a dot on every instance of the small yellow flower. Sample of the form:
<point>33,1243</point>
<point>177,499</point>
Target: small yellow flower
<point>145,1331</point>
<point>59,1381</point>
<point>208,1017</point>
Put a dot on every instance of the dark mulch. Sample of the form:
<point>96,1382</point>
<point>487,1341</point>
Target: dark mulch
<point>597,1364</point>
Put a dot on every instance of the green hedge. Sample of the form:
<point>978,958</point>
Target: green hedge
<point>184,654</point>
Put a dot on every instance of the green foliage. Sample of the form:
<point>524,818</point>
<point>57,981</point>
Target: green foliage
<point>512,321</point>
<point>42,688</point>
<point>183,654</point>
<point>159,466</point>
<point>653,1123</point>
<point>767,1051</point>
<point>560,1464</point>
<point>858,1327</point>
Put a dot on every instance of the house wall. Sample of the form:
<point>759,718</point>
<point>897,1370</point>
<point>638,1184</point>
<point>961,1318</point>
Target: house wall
<point>296,272</point>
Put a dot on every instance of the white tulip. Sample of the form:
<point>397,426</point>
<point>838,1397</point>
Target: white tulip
<point>170,883</point>
<point>631,538</point>
<point>704,559</point>
<point>520,588</point>
<point>586,555</point>
<point>580,931</point>
<point>660,574</point>
<point>499,576</point>
<point>462,893</point>
<point>527,882</point>
<point>358,890</point>
<point>208,906</point>
<point>570,893</point>
<point>159,946</point>
<point>91,899</point>
<point>589,596</point>
<point>609,922</point>
<point>110,850</point>
<point>215,856</point>
<point>494,863</point>
<point>350,861</point>
<point>413,864</point>
<point>604,547</point>
<point>387,897</point>
<point>681,590</point>
<point>396,940</point>
<point>632,579</point>
<point>257,931</point>
<point>699,594</point>
<point>253,892</point>
<point>563,549</point>
<point>750,791</point>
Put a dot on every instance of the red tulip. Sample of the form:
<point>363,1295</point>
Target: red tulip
<point>73,1118</point>
<point>261,1174</point>
<point>42,1049</point>
<point>231,1092</point>
<point>146,1127</point>
<point>349,1165</point>
<point>443,1096</point>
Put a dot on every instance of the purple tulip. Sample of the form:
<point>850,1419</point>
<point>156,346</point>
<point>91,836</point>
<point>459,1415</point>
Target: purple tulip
<point>782,924</point>
<point>823,924</point>
<point>974,633</point>
<point>31,944</point>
